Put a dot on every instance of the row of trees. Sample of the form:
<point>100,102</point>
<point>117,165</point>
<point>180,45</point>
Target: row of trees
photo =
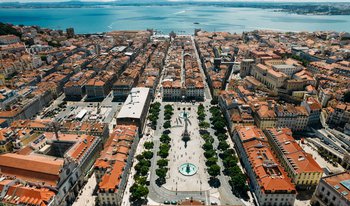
<point>139,190</point>
<point>154,114</point>
<point>209,153</point>
<point>164,147</point>
<point>201,117</point>
<point>168,113</point>
<point>227,155</point>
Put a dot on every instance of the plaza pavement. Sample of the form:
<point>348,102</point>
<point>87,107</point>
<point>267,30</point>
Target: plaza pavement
<point>179,155</point>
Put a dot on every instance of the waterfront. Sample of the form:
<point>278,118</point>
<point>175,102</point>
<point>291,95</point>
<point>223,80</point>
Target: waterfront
<point>180,19</point>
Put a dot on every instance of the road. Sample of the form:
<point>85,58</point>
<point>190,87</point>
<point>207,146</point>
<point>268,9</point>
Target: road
<point>227,197</point>
<point>86,193</point>
<point>206,87</point>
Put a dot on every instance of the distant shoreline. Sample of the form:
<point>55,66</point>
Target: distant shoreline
<point>307,8</point>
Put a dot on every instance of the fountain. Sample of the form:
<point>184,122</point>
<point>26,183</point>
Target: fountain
<point>188,169</point>
<point>184,115</point>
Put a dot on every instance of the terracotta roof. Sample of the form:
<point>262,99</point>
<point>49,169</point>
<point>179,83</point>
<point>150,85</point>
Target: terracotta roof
<point>111,180</point>
<point>32,168</point>
<point>295,154</point>
<point>19,194</point>
<point>270,175</point>
<point>336,180</point>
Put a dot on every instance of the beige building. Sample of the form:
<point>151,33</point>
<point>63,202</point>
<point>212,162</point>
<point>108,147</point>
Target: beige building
<point>271,78</point>
<point>300,166</point>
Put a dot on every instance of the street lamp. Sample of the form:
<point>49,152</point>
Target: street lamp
<point>176,188</point>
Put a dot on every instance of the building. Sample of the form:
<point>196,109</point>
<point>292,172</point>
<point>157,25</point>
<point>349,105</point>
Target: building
<point>300,166</point>
<point>286,68</point>
<point>293,117</point>
<point>59,162</point>
<point>14,192</point>
<point>70,32</point>
<point>121,88</point>
<point>135,108</point>
<point>340,115</point>
<point>246,67</point>
<point>271,78</point>
<point>7,136</point>
<point>172,90</point>
<point>7,97</point>
<point>75,87</point>
<point>333,190</point>
<point>264,115</point>
<point>268,179</point>
<point>9,39</point>
<point>68,127</point>
<point>113,166</point>
<point>324,95</point>
<point>99,87</point>
<point>314,109</point>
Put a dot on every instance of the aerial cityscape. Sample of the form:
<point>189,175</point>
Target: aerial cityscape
<point>186,110</point>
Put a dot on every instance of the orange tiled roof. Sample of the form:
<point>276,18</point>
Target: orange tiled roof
<point>270,175</point>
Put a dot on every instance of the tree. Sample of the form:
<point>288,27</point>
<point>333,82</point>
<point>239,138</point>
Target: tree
<point>207,146</point>
<point>208,138</point>
<point>214,170</point>
<point>148,145</point>
<point>230,161</point>
<point>209,153</point>
<point>222,137</point>
<point>214,101</point>
<point>223,145</point>
<point>211,161</point>
<point>165,147</point>
<point>140,157</point>
<point>200,107</point>
<point>162,162</point>
<point>219,125</point>
<point>147,154</point>
<point>138,192</point>
<point>201,117</point>
<point>163,153</point>
<point>141,169</point>
<point>141,180</point>
<point>204,125</point>
<point>167,116</point>
<point>161,172</point>
<point>227,153</point>
<point>143,162</point>
<point>165,138</point>
<point>6,29</point>
<point>167,124</point>
<point>238,182</point>
<point>168,107</point>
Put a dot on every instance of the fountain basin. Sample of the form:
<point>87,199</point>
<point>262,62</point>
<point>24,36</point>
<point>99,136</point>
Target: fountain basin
<point>188,169</point>
<point>184,115</point>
